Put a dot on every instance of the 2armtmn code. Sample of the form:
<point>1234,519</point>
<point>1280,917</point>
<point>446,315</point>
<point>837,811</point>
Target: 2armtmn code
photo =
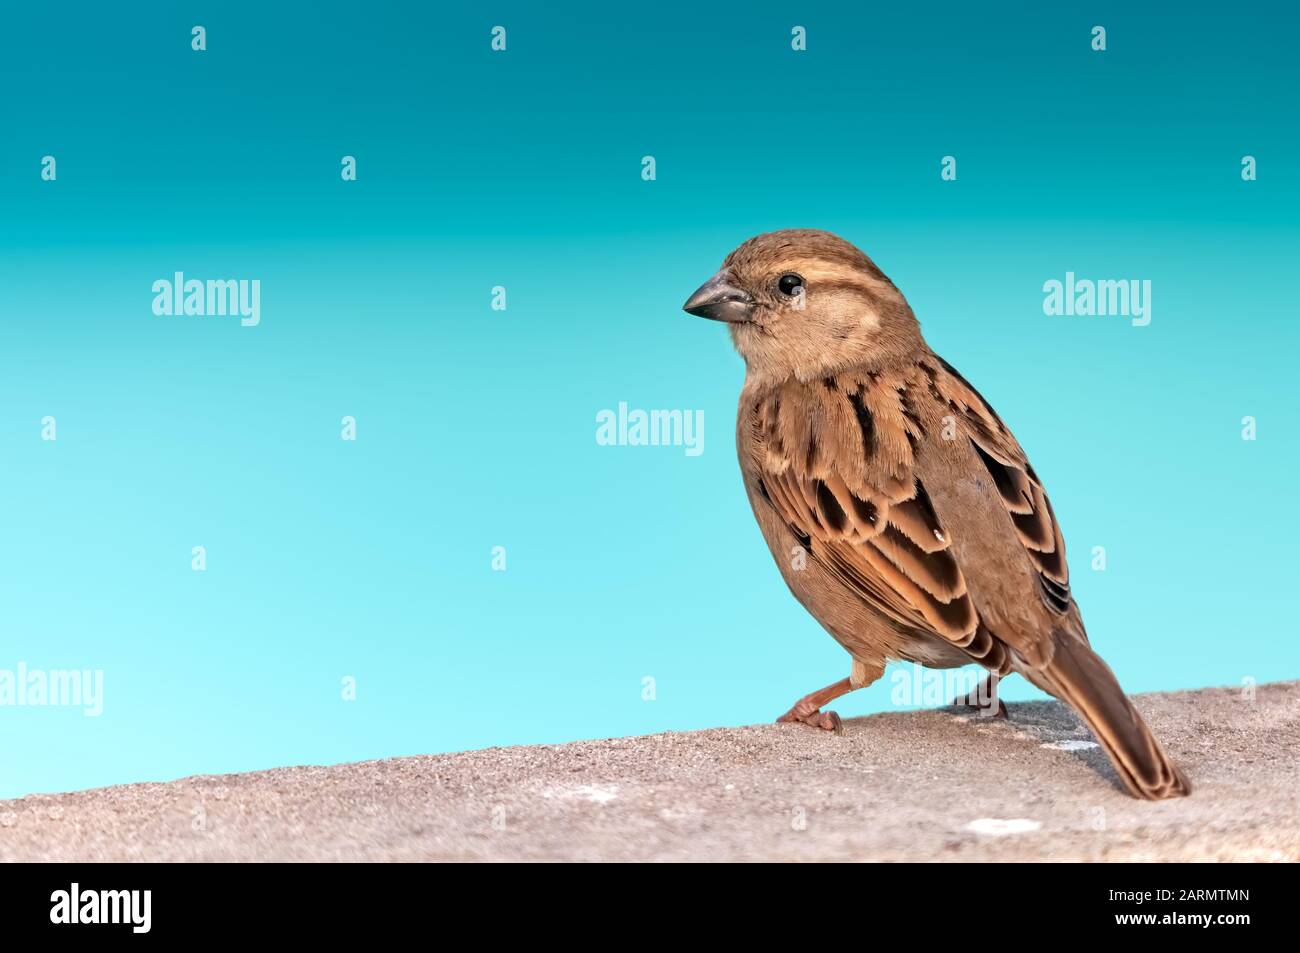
<point>1182,896</point>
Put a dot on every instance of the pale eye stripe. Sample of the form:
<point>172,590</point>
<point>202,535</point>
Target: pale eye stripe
<point>818,276</point>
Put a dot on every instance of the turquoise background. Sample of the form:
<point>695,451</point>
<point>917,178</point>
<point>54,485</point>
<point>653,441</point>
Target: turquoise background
<point>477,428</point>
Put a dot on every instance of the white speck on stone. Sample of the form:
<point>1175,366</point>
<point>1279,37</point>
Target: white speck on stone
<point>731,787</point>
<point>672,814</point>
<point>999,827</point>
<point>585,792</point>
<point>1070,745</point>
<point>8,819</point>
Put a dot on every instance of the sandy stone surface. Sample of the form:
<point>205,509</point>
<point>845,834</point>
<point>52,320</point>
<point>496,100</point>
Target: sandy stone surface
<point>928,785</point>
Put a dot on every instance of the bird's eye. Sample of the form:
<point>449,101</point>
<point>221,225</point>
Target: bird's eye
<point>790,284</point>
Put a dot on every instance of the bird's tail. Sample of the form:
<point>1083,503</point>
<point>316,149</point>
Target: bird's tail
<point>1078,676</point>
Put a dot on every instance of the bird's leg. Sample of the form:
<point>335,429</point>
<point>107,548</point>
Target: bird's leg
<point>807,710</point>
<point>984,698</point>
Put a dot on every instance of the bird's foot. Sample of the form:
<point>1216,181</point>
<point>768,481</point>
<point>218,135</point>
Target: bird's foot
<point>984,700</point>
<point>808,710</point>
<point>814,718</point>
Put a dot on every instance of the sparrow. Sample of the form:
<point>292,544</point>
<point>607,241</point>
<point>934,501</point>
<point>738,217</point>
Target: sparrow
<point>900,509</point>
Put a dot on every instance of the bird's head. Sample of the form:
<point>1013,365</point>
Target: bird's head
<point>805,303</point>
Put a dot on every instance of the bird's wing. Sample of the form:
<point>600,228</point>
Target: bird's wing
<point>836,458</point>
<point>1018,486</point>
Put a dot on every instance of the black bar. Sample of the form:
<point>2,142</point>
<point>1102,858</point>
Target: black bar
<point>333,902</point>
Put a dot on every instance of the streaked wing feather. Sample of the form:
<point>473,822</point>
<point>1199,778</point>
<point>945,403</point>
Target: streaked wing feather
<point>1018,486</point>
<point>837,464</point>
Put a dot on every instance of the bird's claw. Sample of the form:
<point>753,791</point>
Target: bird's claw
<point>825,720</point>
<point>982,707</point>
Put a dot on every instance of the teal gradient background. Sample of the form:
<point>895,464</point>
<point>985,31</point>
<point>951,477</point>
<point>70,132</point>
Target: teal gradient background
<point>476,428</point>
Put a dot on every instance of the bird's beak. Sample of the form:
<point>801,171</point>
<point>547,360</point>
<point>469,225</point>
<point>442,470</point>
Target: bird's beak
<point>719,300</point>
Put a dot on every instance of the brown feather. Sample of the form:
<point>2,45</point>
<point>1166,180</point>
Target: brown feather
<point>1078,675</point>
